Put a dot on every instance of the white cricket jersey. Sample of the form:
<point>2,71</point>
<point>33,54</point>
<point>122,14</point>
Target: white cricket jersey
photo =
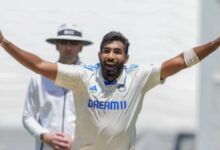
<point>106,113</point>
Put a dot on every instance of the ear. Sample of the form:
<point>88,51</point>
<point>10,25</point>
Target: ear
<point>57,46</point>
<point>99,55</point>
<point>126,58</point>
<point>81,47</point>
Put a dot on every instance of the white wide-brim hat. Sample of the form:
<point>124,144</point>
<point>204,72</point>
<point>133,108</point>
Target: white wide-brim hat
<point>69,32</point>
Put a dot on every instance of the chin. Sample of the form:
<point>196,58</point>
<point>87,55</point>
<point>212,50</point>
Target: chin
<point>112,74</point>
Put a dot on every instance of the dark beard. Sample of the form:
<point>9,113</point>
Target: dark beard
<point>112,74</point>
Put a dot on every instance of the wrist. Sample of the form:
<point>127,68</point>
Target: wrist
<point>2,40</point>
<point>42,136</point>
<point>216,43</point>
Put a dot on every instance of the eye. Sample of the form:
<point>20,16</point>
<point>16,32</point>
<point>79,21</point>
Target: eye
<point>105,50</point>
<point>117,51</point>
<point>63,42</point>
<point>74,43</point>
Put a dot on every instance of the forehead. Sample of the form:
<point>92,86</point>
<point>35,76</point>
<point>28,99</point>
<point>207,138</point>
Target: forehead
<point>114,44</point>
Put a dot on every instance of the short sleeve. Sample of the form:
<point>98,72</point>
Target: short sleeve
<point>69,76</point>
<point>152,77</point>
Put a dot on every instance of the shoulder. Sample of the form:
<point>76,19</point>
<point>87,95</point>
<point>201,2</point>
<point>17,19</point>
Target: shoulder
<point>65,68</point>
<point>141,68</point>
<point>36,78</point>
<point>92,68</point>
<point>131,67</point>
<point>39,79</point>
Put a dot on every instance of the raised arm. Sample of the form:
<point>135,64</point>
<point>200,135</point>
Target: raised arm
<point>188,58</point>
<point>30,60</point>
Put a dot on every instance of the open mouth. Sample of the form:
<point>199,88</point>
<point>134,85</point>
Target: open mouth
<point>110,66</point>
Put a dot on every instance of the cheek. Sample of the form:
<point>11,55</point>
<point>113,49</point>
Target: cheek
<point>102,57</point>
<point>76,50</point>
<point>121,59</point>
<point>79,48</point>
<point>59,47</point>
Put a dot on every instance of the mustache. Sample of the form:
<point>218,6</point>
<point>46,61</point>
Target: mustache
<point>114,71</point>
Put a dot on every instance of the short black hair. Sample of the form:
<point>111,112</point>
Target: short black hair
<point>115,36</point>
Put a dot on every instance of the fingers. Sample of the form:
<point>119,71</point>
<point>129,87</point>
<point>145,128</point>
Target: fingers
<point>58,141</point>
<point>61,141</point>
<point>60,134</point>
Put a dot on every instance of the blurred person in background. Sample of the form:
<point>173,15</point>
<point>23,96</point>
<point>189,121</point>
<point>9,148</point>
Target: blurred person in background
<point>108,96</point>
<point>48,113</point>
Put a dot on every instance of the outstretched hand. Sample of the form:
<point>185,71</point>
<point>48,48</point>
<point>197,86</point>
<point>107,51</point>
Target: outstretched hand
<point>1,37</point>
<point>218,41</point>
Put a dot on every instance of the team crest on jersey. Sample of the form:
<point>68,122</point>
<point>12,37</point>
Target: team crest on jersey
<point>93,88</point>
<point>121,88</point>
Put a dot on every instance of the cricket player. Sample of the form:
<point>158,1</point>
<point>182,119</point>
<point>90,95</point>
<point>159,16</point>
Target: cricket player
<point>109,95</point>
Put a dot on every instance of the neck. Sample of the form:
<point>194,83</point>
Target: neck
<point>109,78</point>
<point>68,61</point>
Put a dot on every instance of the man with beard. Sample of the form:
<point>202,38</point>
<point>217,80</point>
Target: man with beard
<point>109,95</point>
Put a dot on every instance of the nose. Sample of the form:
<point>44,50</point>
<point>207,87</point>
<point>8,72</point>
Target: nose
<point>68,47</point>
<point>68,44</point>
<point>111,56</point>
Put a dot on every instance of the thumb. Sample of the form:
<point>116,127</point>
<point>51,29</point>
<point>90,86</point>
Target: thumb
<point>60,134</point>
